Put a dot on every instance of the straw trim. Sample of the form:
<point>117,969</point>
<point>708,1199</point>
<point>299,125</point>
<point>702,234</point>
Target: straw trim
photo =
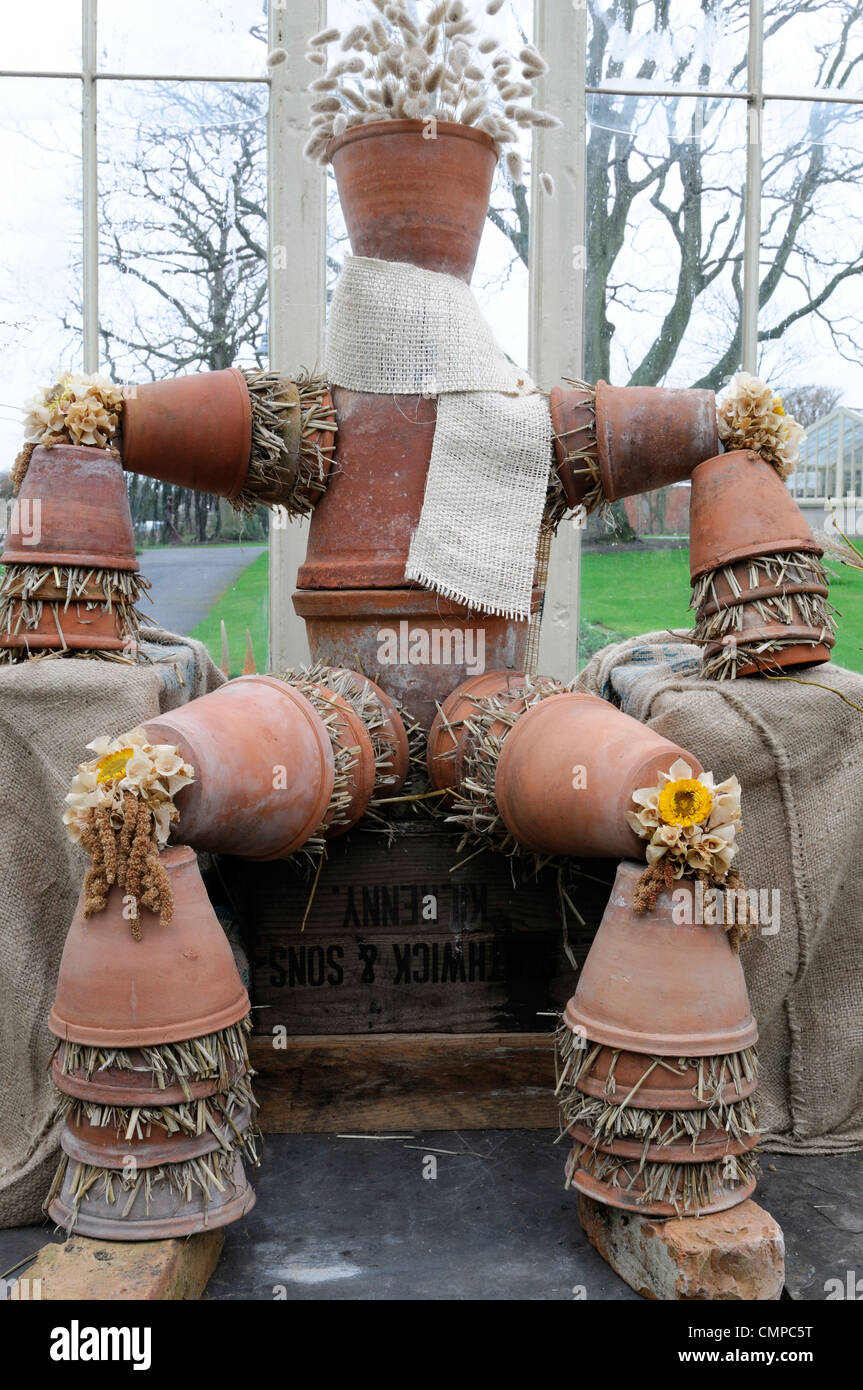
<point>688,1187</point>
<point>216,1056</point>
<point>102,590</point>
<point>274,478</point>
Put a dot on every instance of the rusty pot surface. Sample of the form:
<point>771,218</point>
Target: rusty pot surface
<point>103,1147</point>
<point>415,644</point>
<point>648,437</point>
<point>167,1215</point>
<point>447,740</point>
<point>195,431</point>
<point>410,197</point>
<point>177,982</point>
<point>579,738</point>
<point>74,505</point>
<point>741,508</point>
<point>361,529</point>
<point>712,1143</point>
<point>349,731</point>
<point>235,738</point>
<point>730,1194</point>
<point>574,423</point>
<point>135,1085</point>
<point>652,985</point>
<point>664,1089</point>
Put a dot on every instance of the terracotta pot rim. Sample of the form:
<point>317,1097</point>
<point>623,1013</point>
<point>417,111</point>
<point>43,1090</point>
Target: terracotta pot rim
<point>406,125</point>
<point>760,595</point>
<point>76,559</point>
<point>158,1148</point>
<point>681,1151</point>
<point>150,1037</point>
<point>667,1044</point>
<point>797,636</point>
<point>394,602</point>
<point>78,642</point>
<point>157,1228</point>
<point>101,1092</point>
<point>628,1201</point>
<point>364,767</point>
<point>457,705</point>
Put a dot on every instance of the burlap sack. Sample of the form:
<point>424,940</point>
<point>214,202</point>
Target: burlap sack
<point>49,711</point>
<point>798,751</point>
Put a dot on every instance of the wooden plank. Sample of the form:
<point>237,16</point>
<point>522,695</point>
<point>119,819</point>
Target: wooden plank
<point>425,1081</point>
<point>396,941</point>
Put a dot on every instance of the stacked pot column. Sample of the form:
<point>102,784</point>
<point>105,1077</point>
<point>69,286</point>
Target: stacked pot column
<point>421,201</point>
<point>152,1071</point>
<point>72,581</point>
<point>656,1062</point>
<point>760,589</point>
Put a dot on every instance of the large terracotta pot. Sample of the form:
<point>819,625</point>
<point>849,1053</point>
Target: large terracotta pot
<point>407,197</point>
<point>165,1216</point>
<point>195,431</point>
<point>237,738</point>
<point>740,508</point>
<point>567,772</point>
<point>656,986</point>
<point>177,982</point>
<point>358,628</point>
<point>130,1086</point>
<point>361,529</point>
<point>648,437</point>
<point>73,504</point>
<point>667,1086</point>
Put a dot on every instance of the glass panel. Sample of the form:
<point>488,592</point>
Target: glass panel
<point>680,43</point>
<point>811,48</point>
<point>40,232</point>
<point>183,279</point>
<point>218,38</point>
<point>42,38</point>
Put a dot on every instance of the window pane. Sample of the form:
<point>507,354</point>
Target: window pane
<point>42,38</point>
<point>182,237</point>
<point>682,43</point>
<point>809,48</point>
<point>198,37</point>
<point>40,232</point>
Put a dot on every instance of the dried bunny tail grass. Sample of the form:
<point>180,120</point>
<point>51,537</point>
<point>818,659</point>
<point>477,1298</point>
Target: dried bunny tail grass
<point>222,1056</point>
<point>281,473</point>
<point>208,1175</point>
<point>475,809</point>
<point>26,590</point>
<point>687,1187</point>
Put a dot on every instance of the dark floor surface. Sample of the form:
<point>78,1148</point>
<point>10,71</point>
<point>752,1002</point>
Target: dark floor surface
<point>356,1219</point>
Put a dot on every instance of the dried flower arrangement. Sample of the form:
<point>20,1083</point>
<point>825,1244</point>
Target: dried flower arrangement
<point>120,809</point>
<point>290,421</point>
<point>440,66</point>
<point>76,409</point>
<point>751,417</point>
<point>26,591</point>
<point>691,826</point>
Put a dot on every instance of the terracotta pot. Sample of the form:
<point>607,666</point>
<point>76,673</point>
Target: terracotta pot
<point>349,731</point>
<point>448,739</point>
<point>103,1147</point>
<point>631,1198</point>
<point>128,1086</point>
<point>406,197</point>
<point>712,1144</point>
<point>361,529</point>
<point>741,508</point>
<point>663,1090</point>
<point>802,643</point>
<point>648,437</point>
<point>75,628</point>
<point>236,738</point>
<point>73,502</point>
<point>574,422</point>
<point>570,738</point>
<point>195,431</point>
<point>362,628</point>
<point>166,1216</point>
<point>177,982</point>
<point>652,985</point>
<point>392,770</point>
<point>326,443</point>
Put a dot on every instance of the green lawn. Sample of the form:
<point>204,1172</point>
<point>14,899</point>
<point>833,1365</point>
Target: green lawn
<point>628,592</point>
<point>244,605</point>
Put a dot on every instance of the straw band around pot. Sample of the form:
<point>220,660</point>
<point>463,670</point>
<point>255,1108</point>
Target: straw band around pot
<point>662,1189</point>
<point>293,432</point>
<point>70,611</point>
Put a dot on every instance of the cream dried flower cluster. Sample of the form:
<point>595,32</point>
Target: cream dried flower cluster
<point>83,409</point>
<point>395,66</point>
<point>690,822</point>
<point>152,772</point>
<point>751,417</point>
